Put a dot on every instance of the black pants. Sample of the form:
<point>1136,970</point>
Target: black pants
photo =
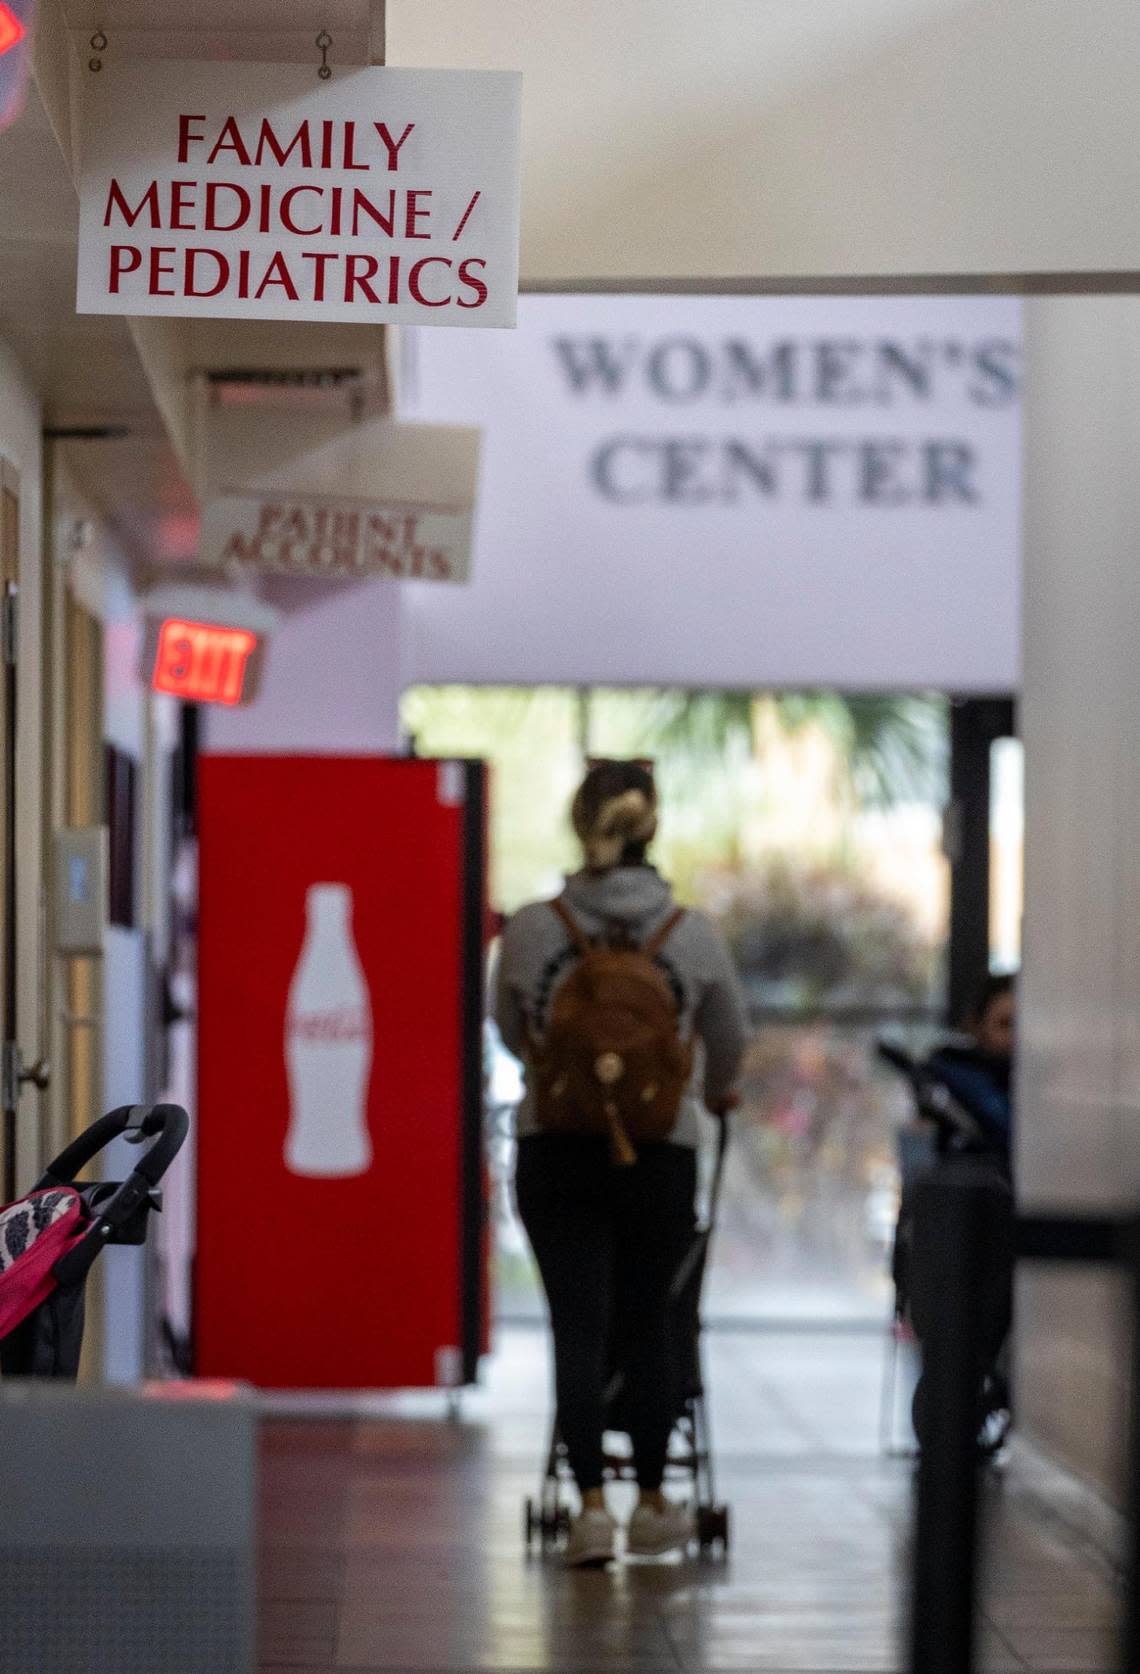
<point>608,1242</point>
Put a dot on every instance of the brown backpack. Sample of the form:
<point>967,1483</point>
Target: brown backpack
<point>612,1060</point>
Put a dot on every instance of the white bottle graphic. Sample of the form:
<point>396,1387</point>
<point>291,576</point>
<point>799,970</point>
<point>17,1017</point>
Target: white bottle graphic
<point>328,1044</point>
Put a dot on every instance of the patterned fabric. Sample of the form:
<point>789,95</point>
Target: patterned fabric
<point>23,1223</point>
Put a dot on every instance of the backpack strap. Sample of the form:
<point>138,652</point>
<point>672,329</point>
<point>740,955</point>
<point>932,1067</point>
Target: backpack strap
<point>570,925</point>
<point>657,941</point>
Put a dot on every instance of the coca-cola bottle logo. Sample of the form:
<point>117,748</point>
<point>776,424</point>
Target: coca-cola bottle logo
<point>328,1044</point>
<point>340,1023</point>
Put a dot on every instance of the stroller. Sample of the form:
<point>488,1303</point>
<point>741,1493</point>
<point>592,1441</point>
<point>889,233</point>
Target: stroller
<point>50,1239</point>
<point>546,1520</point>
<point>961,1144</point>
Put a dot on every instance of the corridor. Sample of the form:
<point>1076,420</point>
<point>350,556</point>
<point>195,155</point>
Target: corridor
<point>394,1543</point>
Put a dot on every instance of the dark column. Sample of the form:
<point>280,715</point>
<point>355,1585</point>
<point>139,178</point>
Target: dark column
<point>975,723</point>
<point>951,1215</point>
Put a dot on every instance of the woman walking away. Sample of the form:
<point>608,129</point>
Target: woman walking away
<point>609,994</point>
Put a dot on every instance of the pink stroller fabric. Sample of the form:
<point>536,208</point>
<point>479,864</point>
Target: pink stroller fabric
<point>34,1234</point>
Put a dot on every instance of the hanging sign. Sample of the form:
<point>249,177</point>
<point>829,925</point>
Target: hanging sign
<point>258,191</point>
<point>202,662</point>
<point>297,534</point>
<point>204,645</point>
<point>743,492</point>
<point>315,496</point>
<point>15,23</point>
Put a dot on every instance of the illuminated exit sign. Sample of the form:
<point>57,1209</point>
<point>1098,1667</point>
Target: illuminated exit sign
<point>15,23</point>
<point>203,662</point>
<point>12,29</point>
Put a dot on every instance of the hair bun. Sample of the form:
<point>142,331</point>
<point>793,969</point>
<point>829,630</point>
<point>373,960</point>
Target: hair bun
<point>615,809</point>
<point>629,817</point>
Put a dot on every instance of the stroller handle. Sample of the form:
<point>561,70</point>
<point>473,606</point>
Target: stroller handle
<point>167,1125</point>
<point>168,1121</point>
<point>898,1059</point>
<point>934,1099</point>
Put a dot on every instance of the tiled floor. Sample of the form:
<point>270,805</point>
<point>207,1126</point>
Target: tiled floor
<point>394,1543</point>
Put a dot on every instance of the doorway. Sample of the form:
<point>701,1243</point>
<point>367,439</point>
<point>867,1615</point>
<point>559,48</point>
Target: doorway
<point>810,826</point>
<point>84,806</point>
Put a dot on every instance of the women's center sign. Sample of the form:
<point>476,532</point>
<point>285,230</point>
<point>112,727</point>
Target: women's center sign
<point>255,191</point>
<point>734,491</point>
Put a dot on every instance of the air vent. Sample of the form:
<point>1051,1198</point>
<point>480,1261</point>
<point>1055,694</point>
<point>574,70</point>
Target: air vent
<point>85,432</point>
<point>307,377</point>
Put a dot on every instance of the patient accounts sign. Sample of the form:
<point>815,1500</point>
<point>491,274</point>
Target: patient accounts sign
<point>255,191</point>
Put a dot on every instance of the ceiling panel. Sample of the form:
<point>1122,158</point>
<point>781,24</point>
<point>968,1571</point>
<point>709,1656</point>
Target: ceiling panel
<point>274,31</point>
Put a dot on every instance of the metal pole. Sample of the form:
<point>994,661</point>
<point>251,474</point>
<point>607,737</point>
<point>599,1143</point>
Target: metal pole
<point>950,1228</point>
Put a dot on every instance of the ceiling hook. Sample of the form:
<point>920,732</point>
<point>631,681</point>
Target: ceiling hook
<point>324,42</point>
<point>98,47</point>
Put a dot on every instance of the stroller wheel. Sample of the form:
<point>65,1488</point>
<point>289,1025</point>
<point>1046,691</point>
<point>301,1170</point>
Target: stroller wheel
<point>712,1529</point>
<point>546,1524</point>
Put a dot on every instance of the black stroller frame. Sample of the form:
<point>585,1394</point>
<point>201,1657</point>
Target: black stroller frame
<point>49,1341</point>
<point>546,1520</point>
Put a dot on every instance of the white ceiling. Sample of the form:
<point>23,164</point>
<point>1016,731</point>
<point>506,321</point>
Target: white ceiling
<point>778,144</point>
<point>266,30</point>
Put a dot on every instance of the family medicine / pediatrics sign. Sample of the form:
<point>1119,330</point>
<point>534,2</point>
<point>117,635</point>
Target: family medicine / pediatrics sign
<point>257,191</point>
<point>734,492</point>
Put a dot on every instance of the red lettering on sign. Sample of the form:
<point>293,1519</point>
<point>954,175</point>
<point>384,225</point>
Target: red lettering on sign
<point>415,215</point>
<point>182,205</point>
<point>414,282</point>
<point>160,269</point>
<point>392,146</point>
<point>125,258</point>
<point>242,209</point>
<point>148,201</point>
<point>221,271</point>
<point>185,135</point>
<point>476,285</point>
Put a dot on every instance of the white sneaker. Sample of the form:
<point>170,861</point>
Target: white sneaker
<point>591,1539</point>
<point>652,1533</point>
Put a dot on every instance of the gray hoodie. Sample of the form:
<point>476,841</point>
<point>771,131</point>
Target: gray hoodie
<point>537,954</point>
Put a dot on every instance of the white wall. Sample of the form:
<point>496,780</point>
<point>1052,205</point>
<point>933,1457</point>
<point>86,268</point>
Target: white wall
<point>1079,1098</point>
<point>125,972</point>
<point>332,679</point>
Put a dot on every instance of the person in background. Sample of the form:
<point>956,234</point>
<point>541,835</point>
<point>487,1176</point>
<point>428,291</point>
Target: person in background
<point>609,1221</point>
<point>979,1070</point>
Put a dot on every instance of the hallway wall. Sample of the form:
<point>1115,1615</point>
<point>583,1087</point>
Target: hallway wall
<point>333,676</point>
<point>21,448</point>
<point>1079,1121</point>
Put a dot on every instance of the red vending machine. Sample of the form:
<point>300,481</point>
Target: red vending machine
<point>340,1196</point>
